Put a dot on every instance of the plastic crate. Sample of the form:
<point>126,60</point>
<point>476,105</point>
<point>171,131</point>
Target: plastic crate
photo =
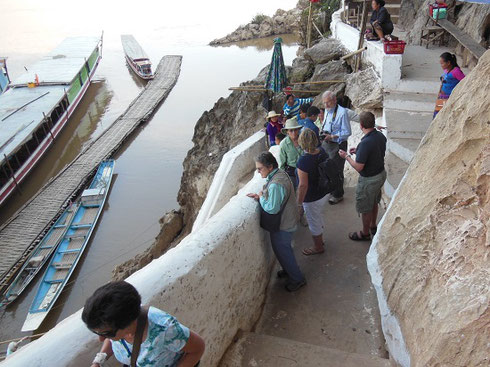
<point>433,7</point>
<point>394,47</point>
<point>440,13</point>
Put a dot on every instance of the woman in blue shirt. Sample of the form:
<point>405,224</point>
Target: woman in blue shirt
<point>112,313</point>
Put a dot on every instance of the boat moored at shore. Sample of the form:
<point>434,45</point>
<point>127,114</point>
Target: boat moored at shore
<point>38,104</point>
<point>136,57</point>
<point>71,247</point>
<point>39,256</point>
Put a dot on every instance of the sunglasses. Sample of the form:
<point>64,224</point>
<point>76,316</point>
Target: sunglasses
<point>105,334</point>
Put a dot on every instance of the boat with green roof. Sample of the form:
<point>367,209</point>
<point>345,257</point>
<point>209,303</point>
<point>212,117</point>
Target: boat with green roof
<point>37,105</point>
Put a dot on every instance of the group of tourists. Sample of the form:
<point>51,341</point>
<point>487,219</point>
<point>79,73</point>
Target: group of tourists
<point>310,144</point>
<point>309,173</point>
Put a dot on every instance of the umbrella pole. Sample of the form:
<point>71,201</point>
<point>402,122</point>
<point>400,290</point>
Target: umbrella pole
<point>308,29</point>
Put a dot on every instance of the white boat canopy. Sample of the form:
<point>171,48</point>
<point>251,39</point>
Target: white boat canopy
<point>62,64</point>
<point>132,48</point>
<point>21,112</point>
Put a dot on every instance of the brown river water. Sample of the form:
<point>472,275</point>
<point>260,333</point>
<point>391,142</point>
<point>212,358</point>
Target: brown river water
<point>149,165</point>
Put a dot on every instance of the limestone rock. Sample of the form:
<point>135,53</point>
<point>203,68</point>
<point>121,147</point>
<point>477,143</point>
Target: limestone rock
<point>472,18</point>
<point>364,89</point>
<point>281,23</point>
<point>433,248</point>
<point>302,70</point>
<point>228,123</point>
<point>333,70</point>
<point>171,226</point>
<point>324,51</point>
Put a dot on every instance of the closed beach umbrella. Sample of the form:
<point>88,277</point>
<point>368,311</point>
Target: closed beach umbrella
<point>276,78</point>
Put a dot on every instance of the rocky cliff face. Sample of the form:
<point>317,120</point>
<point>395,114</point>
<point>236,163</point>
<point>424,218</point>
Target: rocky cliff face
<point>264,26</point>
<point>434,245</point>
<point>228,123</point>
<point>474,19</point>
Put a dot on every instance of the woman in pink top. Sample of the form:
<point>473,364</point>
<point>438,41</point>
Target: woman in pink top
<point>451,76</point>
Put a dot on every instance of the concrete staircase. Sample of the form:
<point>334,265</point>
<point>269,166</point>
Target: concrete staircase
<point>271,351</point>
<point>407,116</point>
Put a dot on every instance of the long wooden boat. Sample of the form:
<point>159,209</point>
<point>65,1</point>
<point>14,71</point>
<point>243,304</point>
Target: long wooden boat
<point>37,105</point>
<point>40,255</point>
<point>71,246</point>
<point>136,57</point>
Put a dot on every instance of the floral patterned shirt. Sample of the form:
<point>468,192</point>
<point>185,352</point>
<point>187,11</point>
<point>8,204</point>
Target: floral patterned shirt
<point>163,345</point>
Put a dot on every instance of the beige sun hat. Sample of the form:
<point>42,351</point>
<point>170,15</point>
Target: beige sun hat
<point>272,114</point>
<point>291,124</point>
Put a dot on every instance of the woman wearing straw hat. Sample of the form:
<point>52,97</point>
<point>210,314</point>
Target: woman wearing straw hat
<point>290,150</point>
<point>273,126</point>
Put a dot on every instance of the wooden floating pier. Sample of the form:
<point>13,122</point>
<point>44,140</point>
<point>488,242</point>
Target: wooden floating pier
<point>20,234</point>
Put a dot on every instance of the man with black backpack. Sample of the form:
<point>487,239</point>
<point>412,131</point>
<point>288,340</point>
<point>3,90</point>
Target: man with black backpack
<point>369,162</point>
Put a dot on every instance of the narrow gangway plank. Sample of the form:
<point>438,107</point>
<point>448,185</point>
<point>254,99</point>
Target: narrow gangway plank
<point>18,235</point>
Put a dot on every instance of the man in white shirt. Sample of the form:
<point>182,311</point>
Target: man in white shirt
<point>335,132</point>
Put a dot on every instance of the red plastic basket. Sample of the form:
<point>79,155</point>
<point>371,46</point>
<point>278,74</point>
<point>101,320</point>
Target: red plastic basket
<point>394,47</point>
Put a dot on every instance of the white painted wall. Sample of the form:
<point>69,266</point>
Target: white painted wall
<point>236,164</point>
<point>389,322</point>
<point>214,281</point>
<point>388,67</point>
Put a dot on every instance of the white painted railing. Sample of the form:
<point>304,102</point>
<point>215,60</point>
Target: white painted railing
<point>214,282</point>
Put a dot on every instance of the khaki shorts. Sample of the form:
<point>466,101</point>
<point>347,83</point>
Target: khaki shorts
<point>368,192</point>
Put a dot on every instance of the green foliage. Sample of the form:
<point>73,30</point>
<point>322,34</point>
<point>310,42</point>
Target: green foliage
<point>329,7</point>
<point>326,7</point>
<point>259,18</point>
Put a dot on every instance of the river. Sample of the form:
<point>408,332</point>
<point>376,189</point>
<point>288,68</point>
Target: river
<point>149,165</point>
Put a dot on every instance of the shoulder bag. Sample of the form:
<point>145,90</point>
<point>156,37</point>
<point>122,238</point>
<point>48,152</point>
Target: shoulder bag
<point>138,337</point>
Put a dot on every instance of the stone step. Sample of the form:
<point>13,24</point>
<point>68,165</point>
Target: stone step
<point>405,124</point>
<point>262,350</point>
<point>408,101</point>
<point>403,148</point>
<point>395,170</point>
<point>430,86</point>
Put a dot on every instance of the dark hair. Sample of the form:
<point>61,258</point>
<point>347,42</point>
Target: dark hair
<point>380,2</point>
<point>344,101</point>
<point>289,95</point>
<point>367,120</point>
<point>290,116</point>
<point>113,305</point>
<point>304,107</point>
<point>267,159</point>
<point>280,136</point>
<point>451,58</point>
<point>312,111</point>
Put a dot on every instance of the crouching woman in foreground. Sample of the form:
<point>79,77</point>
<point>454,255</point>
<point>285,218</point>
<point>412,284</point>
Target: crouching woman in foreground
<point>279,216</point>
<point>115,314</point>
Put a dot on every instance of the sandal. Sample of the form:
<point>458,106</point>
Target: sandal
<point>312,251</point>
<point>373,230</point>
<point>359,236</point>
<point>371,37</point>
